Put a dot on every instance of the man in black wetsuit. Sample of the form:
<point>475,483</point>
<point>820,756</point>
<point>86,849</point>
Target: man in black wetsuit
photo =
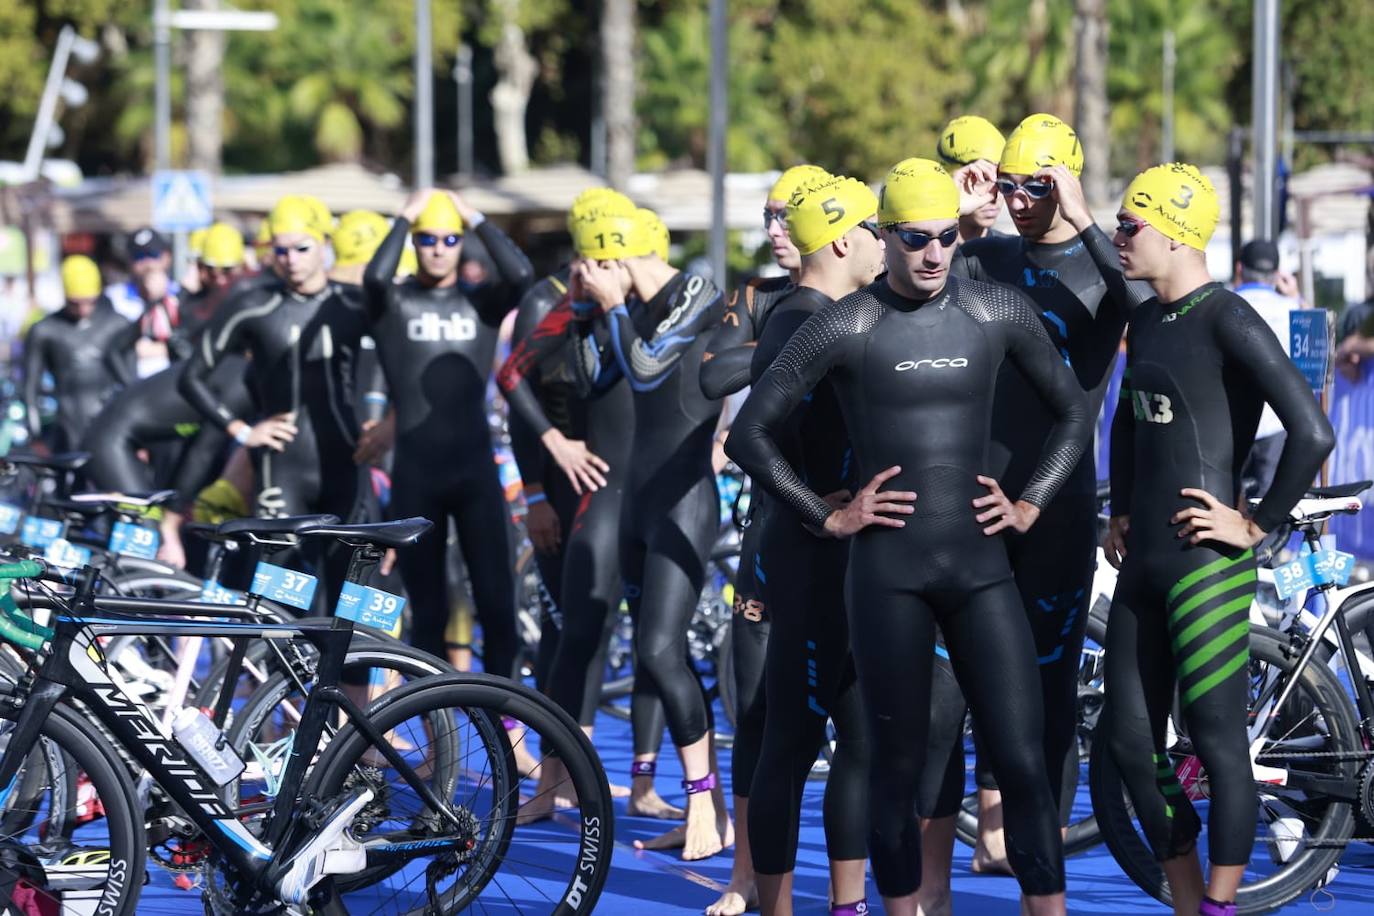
<point>671,508</point>
<point>964,141</point>
<point>74,345</point>
<point>725,371</point>
<point>436,339</point>
<point>1084,310</point>
<point>810,672</point>
<point>301,332</point>
<point>1201,365</point>
<point>913,359</point>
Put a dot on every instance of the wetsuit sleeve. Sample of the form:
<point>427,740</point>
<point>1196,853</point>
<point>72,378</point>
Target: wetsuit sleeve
<point>1245,340</point>
<point>823,342</point>
<point>730,348</point>
<point>967,267</point>
<point>593,363</point>
<point>514,275</point>
<point>1125,294</point>
<point>1030,348</point>
<point>648,364</point>
<point>532,347</point>
<point>380,274</point>
<point>220,338</point>
<point>1122,471</point>
<point>372,381</point>
<point>118,349</point>
<point>35,358</point>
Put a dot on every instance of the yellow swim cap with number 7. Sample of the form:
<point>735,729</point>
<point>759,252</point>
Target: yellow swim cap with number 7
<point>824,210</point>
<point>1177,200</point>
<point>1040,141</point>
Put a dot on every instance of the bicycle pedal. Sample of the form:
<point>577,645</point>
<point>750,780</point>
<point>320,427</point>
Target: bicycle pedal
<point>308,865</point>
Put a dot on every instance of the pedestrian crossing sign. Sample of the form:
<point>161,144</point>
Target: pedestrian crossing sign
<point>181,201</point>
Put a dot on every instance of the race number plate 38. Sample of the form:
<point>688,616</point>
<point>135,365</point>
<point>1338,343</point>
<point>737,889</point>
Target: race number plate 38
<point>284,586</point>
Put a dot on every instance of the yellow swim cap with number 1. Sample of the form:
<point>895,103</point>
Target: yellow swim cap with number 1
<point>969,139</point>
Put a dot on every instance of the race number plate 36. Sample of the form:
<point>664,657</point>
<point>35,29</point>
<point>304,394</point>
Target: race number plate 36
<point>284,586</point>
<point>10,516</point>
<point>134,540</point>
<point>370,607</point>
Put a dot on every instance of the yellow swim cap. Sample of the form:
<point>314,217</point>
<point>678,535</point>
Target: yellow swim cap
<point>409,263</point>
<point>596,198</point>
<point>80,277</point>
<point>917,190</point>
<point>650,236</point>
<point>1176,199</point>
<point>822,210</point>
<point>222,246</point>
<point>264,236</point>
<point>295,214</point>
<point>321,211</point>
<point>196,242</point>
<point>1040,141</point>
<point>608,234</point>
<point>794,178</point>
<point>968,139</point>
<point>358,236</point>
<point>439,215</point>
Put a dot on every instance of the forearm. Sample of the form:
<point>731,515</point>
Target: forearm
<point>724,373</point>
<point>1122,468</point>
<point>380,272</point>
<point>513,268</point>
<point>1126,293</point>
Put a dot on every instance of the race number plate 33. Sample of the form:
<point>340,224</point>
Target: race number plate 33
<point>284,586</point>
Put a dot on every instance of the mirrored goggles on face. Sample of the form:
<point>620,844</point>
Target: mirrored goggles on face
<point>770,215</point>
<point>1129,227</point>
<point>429,240</point>
<point>871,226</point>
<point>913,240</point>
<point>282,251</point>
<point>1036,189</point>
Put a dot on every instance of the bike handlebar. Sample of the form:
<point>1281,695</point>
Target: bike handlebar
<point>16,626</point>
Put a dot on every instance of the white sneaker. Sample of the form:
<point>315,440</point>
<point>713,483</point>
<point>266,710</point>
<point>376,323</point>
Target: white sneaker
<point>311,861</point>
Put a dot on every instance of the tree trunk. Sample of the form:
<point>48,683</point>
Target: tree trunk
<point>510,96</point>
<point>618,89</point>
<point>1090,98</point>
<point>204,93</point>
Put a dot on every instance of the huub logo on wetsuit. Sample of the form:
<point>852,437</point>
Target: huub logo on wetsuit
<point>431,327</point>
<point>944,362</point>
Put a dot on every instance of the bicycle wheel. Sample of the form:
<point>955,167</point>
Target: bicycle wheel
<point>76,851</point>
<point>1083,832</point>
<point>556,865</point>
<point>1300,829</point>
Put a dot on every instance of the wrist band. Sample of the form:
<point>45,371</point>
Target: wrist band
<point>697,786</point>
<point>477,219</point>
<point>643,768</point>
<point>241,437</point>
<point>532,498</point>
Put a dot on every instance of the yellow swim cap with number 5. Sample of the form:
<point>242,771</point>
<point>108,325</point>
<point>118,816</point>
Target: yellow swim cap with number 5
<point>1177,200</point>
<point>822,211</point>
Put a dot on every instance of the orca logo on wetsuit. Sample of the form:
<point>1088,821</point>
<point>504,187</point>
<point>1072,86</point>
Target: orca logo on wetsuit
<point>944,362</point>
<point>430,328</point>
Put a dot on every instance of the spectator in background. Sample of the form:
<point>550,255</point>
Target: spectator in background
<point>149,297</point>
<point>1273,294</point>
<point>1355,335</point>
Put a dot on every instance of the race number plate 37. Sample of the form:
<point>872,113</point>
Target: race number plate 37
<point>284,586</point>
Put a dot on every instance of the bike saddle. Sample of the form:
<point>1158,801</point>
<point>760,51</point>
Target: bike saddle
<point>66,461</point>
<point>1340,490</point>
<point>117,500</point>
<point>382,534</point>
<point>247,529</point>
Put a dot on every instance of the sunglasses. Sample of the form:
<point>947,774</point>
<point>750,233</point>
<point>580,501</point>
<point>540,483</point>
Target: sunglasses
<point>915,241</point>
<point>871,226</point>
<point>1035,188</point>
<point>303,248</point>
<point>428,240</point>
<point>1129,227</point>
<point>770,215</point>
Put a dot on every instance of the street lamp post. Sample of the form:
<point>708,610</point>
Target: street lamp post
<point>57,87</point>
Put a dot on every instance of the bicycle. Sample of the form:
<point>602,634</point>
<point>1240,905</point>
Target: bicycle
<point>1312,767</point>
<point>302,852</point>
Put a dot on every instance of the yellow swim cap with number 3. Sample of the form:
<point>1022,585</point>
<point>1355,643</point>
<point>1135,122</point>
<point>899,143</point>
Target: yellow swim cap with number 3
<point>1177,200</point>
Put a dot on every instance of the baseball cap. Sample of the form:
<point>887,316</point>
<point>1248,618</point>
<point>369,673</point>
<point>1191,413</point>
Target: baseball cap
<point>147,243</point>
<point>1261,255</point>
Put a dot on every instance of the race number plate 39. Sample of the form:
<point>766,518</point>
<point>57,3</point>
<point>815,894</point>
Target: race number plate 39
<point>370,607</point>
<point>284,586</point>
<point>134,540</point>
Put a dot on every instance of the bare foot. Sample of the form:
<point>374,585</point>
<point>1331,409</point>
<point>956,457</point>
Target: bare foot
<point>673,839</point>
<point>707,828</point>
<point>554,791</point>
<point>934,903</point>
<point>525,763</point>
<point>740,897</point>
<point>645,802</point>
<point>990,855</point>
<point>619,791</point>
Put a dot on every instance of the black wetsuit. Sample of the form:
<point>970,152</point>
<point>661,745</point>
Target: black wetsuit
<point>671,510</point>
<point>725,370</point>
<point>303,356</point>
<point>542,388</point>
<point>1053,562</point>
<point>810,671</point>
<point>437,346</point>
<point>1199,372</point>
<point>85,371</point>
<point>915,381</point>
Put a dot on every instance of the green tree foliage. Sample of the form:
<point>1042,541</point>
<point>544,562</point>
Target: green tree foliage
<point>1331,48</point>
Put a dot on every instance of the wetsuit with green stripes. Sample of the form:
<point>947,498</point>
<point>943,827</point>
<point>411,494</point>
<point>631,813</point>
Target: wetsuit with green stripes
<point>1199,371</point>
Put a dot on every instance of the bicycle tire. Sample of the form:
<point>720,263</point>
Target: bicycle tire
<point>497,697</point>
<point>1317,686</point>
<point>1081,835</point>
<point>88,752</point>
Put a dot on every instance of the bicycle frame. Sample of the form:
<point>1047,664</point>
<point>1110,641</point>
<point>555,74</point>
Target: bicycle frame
<point>75,666</point>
